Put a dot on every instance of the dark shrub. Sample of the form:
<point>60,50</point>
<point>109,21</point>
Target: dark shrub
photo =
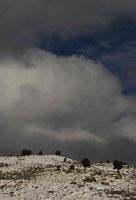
<point>58,153</point>
<point>86,162</point>
<point>117,164</point>
<point>108,161</point>
<point>40,153</point>
<point>71,168</point>
<point>26,152</point>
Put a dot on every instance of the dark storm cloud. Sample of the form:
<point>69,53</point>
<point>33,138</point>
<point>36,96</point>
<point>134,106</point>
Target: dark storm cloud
<point>62,103</point>
<point>23,23</point>
<point>57,102</point>
<point>116,147</point>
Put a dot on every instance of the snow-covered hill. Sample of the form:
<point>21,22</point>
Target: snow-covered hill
<point>48,177</point>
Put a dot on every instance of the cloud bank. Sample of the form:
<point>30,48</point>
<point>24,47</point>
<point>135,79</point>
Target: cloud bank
<point>70,103</point>
<point>51,101</point>
<point>23,23</point>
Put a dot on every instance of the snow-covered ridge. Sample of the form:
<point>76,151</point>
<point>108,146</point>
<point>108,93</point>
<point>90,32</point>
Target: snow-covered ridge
<point>48,177</point>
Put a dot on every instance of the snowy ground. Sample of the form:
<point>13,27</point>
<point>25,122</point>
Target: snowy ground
<point>47,177</point>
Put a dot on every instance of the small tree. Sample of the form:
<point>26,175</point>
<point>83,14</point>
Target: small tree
<point>40,153</point>
<point>26,152</point>
<point>86,162</point>
<point>58,153</point>
<point>117,164</point>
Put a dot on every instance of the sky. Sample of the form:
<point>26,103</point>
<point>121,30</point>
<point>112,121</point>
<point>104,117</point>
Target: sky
<point>68,78</point>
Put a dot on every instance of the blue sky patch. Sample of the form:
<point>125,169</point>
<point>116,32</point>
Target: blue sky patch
<point>115,48</point>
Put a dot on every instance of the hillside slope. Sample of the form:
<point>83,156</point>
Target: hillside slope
<point>48,177</point>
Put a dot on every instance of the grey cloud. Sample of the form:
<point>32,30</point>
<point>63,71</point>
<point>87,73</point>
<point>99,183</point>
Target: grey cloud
<point>24,22</point>
<point>62,100</point>
<point>52,102</point>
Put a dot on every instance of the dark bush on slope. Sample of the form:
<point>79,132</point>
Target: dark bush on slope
<point>58,153</point>
<point>26,152</point>
<point>86,162</point>
<point>117,164</point>
<point>40,153</point>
